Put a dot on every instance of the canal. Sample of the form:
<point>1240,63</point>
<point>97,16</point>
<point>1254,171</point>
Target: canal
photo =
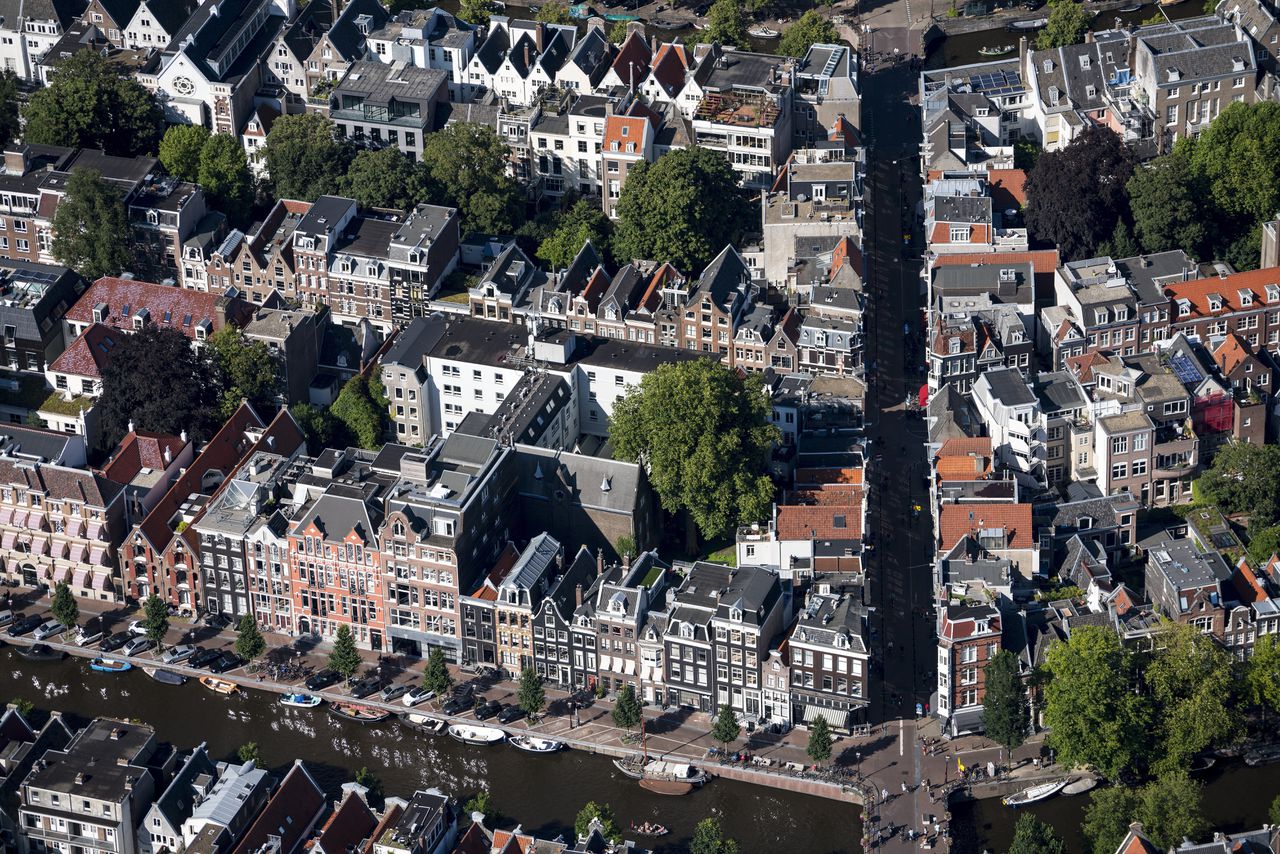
<point>542,793</point>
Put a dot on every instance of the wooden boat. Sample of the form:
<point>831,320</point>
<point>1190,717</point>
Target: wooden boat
<point>1028,25</point>
<point>41,652</point>
<point>1263,755</point>
<point>109,665</point>
<point>358,713</point>
<point>468,734</point>
<point>997,50</point>
<point>1079,787</point>
<point>165,677</point>
<point>533,744</point>
<point>648,828</point>
<point>301,701</point>
<point>764,33</point>
<point>1032,794</point>
<point>1132,7</point>
<point>219,686</point>
<point>663,24</point>
<point>425,723</point>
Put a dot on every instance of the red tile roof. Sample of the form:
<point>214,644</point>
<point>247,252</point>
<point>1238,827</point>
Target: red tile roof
<point>846,252</point>
<point>348,826</point>
<point>624,131</point>
<point>956,521</point>
<point>474,841</point>
<point>1246,584</point>
<point>167,305</point>
<point>838,521</point>
<point>1082,366</point>
<point>1041,260</point>
<point>632,63</point>
<point>88,355</point>
<point>962,446</point>
<point>141,450</point>
<point>979,232</point>
<point>829,475</point>
<point>669,67</point>
<point>1008,188</point>
<point>1198,291</point>
<point>488,589</point>
<point>1231,353</point>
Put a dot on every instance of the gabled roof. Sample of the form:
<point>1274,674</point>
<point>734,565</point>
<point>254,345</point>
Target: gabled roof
<point>178,800</point>
<point>1197,292</point>
<point>170,15</point>
<point>289,814</point>
<point>176,308</point>
<point>141,450</point>
<point>345,34</point>
<point>311,23</point>
<point>956,521</point>
<point>348,826</point>
<point>670,65</point>
<point>631,65</point>
<point>1231,353</point>
<point>723,276</point>
<point>88,355</point>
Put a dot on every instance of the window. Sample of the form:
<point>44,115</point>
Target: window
<point>959,234</point>
<point>1140,442</point>
<point>1119,471</point>
<point>1120,445</point>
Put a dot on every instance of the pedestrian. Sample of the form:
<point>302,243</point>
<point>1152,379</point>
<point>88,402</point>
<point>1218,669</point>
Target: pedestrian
<point>884,794</point>
<point>904,788</point>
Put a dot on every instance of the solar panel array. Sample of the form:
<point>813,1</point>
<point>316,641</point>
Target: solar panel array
<point>1185,369</point>
<point>1002,82</point>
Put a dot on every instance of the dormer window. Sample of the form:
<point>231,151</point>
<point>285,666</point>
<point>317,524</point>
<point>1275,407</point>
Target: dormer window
<point>153,217</point>
<point>735,614</point>
<point>1091,91</point>
<point>1084,62</point>
<point>1054,96</point>
<point>1047,65</point>
<point>959,234</point>
<point>1184,308</point>
<point>1273,293</point>
<point>953,347</point>
<point>1215,302</point>
<point>1246,296</point>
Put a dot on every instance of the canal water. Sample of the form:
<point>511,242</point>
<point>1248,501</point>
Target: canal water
<point>542,793</point>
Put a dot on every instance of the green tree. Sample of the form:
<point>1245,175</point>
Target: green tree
<point>1075,196</point>
<point>626,710</point>
<point>159,382</point>
<point>91,103</point>
<point>618,32</point>
<point>1273,814</point>
<point>155,619</point>
<point>225,177</point>
<point>385,178</point>
<point>577,225</point>
<point>1033,836</point>
<point>180,150</point>
<point>1107,818</point>
<point>344,657</point>
<point>1068,22</point>
<point>1190,680</point>
<point>1005,711</point>
<point>1092,716</point>
<point>63,605</point>
<point>1238,160</point>
<point>601,812</point>
<point>247,368</point>
<point>725,727</point>
<point>702,433</point>
<point>1244,478</point>
<point>819,748</point>
<point>370,781</point>
<point>726,24</point>
<point>809,29</point>
<point>1121,243</point>
<point>531,696</point>
<point>317,425</point>
<point>1166,206</point>
<point>626,545</point>
<point>467,164</point>
<point>358,412</point>
<point>1170,810</point>
<point>683,208</point>
<point>474,11</point>
<point>90,227</point>
<point>249,641</point>
<point>1262,674</point>
<point>481,802</point>
<point>25,707</point>
<point>10,126</point>
<point>436,676</point>
<point>1026,151</point>
<point>554,12</point>
<point>250,752</point>
<point>709,838</point>
<point>303,157</point>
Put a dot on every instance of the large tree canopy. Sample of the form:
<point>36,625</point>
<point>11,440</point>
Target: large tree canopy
<point>683,208</point>
<point>726,24</point>
<point>89,103</point>
<point>702,432</point>
<point>90,227</point>
<point>1068,22</point>
<point>180,150</point>
<point>573,227</point>
<point>159,382</point>
<point>248,371</point>
<point>467,165</point>
<point>10,128</point>
<point>810,29</point>
<point>1005,712</point>
<point>1166,206</point>
<point>1075,196</point>
<point>1033,836</point>
<point>1245,478</point>
<point>303,157</point>
<point>224,174</point>
<point>385,178</point>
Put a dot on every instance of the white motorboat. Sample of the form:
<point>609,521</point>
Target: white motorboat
<point>425,723</point>
<point>533,744</point>
<point>1033,794</point>
<point>301,701</point>
<point>468,734</point>
<point>764,33</point>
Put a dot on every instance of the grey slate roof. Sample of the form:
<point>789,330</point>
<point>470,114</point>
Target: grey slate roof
<point>1008,386</point>
<point>178,800</point>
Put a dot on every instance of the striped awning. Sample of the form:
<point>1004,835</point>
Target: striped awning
<point>102,581</point>
<point>77,552</point>
<point>74,527</point>
<point>96,555</point>
<point>838,718</point>
<point>80,580</point>
<point>10,537</point>
<point>20,518</point>
<point>6,515</point>
<point>95,528</point>
<point>40,545</point>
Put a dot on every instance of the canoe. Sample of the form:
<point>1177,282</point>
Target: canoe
<point>301,701</point>
<point>1033,794</point>
<point>219,686</point>
<point>468,734</point>
<point>533,744</point>
<point>1079,787</point>
<point>165,677</point>
<point>358,713</point>
<point>999,50</point>
<point>425,723</point>
<point>109,665</point>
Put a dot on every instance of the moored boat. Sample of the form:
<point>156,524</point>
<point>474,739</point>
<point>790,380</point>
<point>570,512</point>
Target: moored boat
<point>1264,755</point>
<point>660,777</point>
<point>219,686</point>
<point>109,665</point>
<point>1132,7</point>
<point>165,677</point>
<point>468,734</point>
<point>359,713</point>
<point>534,744</point>
<point>41,652</point>
<point>425,723</point>
<point>764,33</point>
<point>663,24</point>
<point>301,701</point>
<point>1080,786</point>
<point>996,50</point>
<point>1032,794</point>
<point>648,828</point>
<point>1025,26</point>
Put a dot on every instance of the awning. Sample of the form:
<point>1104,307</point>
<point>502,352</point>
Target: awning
<point>629,667</point>
<point>10,537</point>
<point>6,514</point>
<point>20,519</point>
<point>102,581</point>
<point>66,576</point>
<point>96,554</point>
<point>36,521</point>
<point>923,395</point>
<point>40,545</point>
<point>74,527</point>
<point>606,662</point>
<point>77,552</point>
<point>95,528</point>
<point>836,717</point>
<point>79,581</point>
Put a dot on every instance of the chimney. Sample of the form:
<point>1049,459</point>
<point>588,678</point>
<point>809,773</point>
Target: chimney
<point>168,455</point>
<point>17,160</point>
<point>626,560</point>
<point>600,561</point>
<point>578,595</point>
<point>131,428</point>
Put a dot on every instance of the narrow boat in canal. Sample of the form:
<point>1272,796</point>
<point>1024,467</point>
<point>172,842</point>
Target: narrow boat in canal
<point>109,665</point>
<point>996,50</point>
<point>219,686</point>
<point>648,828</point>
<point>1027,26</point>
<point>301,701</point>
<point>424,723</point>
<point>41,652</point>
<point>1032,794</point>
<point>468,734</point>
<point>1201,763</point>
<point>1080,786</point>
<point>533,744</point>
<point>764,33</point>
<point>165,677</point>
<point>359,713</point>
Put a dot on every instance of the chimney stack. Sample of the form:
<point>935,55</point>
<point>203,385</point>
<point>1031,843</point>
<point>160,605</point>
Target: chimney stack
<point>578,595</point>
<point>600,561</point>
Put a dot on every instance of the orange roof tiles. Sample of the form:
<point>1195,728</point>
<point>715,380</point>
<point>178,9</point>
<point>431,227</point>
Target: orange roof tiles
<point>962,446</point>
<point>88,355</point>
<point>823,522</point>
<point>1198,291</point>
<point>956,521</point>
<point>141,450</point>
<point>670,65</point>
<point>1231,353</point>
<point>173,307</point>
<point>1008,188</point>
<point>829,475</point>
<point>624,131</point>
<point>1041,260</point>
<point>846,252</point>
<point>967,467</point>
<point>979,232</point>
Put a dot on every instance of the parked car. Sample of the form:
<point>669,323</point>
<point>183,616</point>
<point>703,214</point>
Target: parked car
<point>488,710</point>
<point>137,645</point>
<point>459,704</point>
<point>417,695</point>
<point>49,629</point>
<point>228,660</point>
<point>25,625</point>
<point>322,680</point>
<point>178,653</point>
<point>394,692</point>
<point>88,634</point>
<point>203,657</point>
<point>510,714</point>
<point>6,617</point>
<point>364,687</point>
<point>114,642</point>
<point>136,628</point>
